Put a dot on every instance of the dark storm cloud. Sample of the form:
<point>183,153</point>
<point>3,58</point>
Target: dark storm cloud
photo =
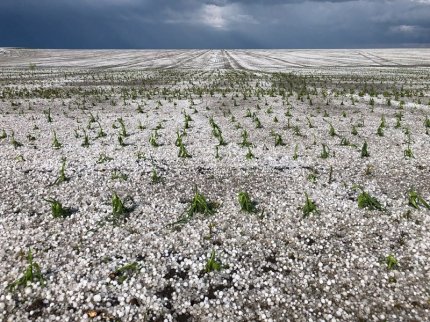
<point>214,23</point>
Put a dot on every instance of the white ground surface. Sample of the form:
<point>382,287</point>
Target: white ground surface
<point>277,265</point>
<point>262,60</point>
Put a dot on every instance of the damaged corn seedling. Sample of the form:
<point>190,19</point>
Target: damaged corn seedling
<point>408,153</point>
<point>121,140</point>
<point>155,177</point>
<point>48,115</point>
<point>245,202</point>
<point>124,272</point>
<point>153,139</point>
<point>278,140</point>
<point>14,142</point>
<point>296,152</point>
<point>245,142</point>
<point>100,133</point>
<point>325,152</point>
<point>415,200</point>
<point>123,131</point>
<point>62,175</point>
<point>118,175</point>
<point>57,209</point>
<point>365,200</point>
<point>249,155</point>
<point>178,141</point>
<point>216,131</point>
<point>380,131</point>
<point>364,151</point>
<point>31,274</point>
<point>313,176</point>
<point>391,262</point>
<point>212,264</point>
<point>309,207</point>
<point>199,204</point>
<point>119,210</point>
<point>86,142</point>
<point>103,158</point>
<point>332,131</point>
<point>55,143</point>
<point>183,153</point>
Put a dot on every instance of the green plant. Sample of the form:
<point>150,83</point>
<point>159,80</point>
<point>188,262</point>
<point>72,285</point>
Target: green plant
<point>121,140</point>
<point>332,131</point>
<point>245,202</point>
<point>245,142</point>
<point>217,156</point>
<point>369,170</point>
<point>249,155</point>
<point>123,131</point>
<point>3,135</point>
<point>178,141</point>
<point>55,143</point>
<point>92,118</point>
<point>313,176</point>
<point>57,209</point>
<point>257,123</point>
<point>296,152</point>
<point>199,204</point>
<point>309,206</point>
<point>100,133</point>
<point>62,176</point>
<point>86,142</point>
<point>103,158</point>
<point>296,130</point>
<point>48,115</point>
<point>118,175</point>
<point>408,153</point>
<point>14,142</point>
<point>426,122</point>
<point>212,264</point>
<point>325,152</point>
<point>155,177</point>
<point>140,155</point>
<point>382,124</point>
<point>31,274</point>
<point>124,272</point>
<point>153,139</point>
<point>183,153</point>
<point>380,131</point>
<point>391,262</point>
<point>140,126</point>
<point>354,130</point>
<point>365,200</point>
<point>118,208</point>
<point>278,140</point>
<point>398,125</point>
<point>416,200</point>
<point>364,152</point>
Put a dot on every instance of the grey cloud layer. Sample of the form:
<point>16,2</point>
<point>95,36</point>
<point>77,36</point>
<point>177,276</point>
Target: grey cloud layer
<point>214,23</point>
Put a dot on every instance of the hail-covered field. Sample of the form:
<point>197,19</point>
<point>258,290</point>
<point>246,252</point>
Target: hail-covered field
<point>214,185</point>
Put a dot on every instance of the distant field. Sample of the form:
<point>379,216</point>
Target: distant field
<point>264,60</point>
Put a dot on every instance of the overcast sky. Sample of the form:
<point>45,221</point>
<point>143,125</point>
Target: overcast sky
<point>214,23</point>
